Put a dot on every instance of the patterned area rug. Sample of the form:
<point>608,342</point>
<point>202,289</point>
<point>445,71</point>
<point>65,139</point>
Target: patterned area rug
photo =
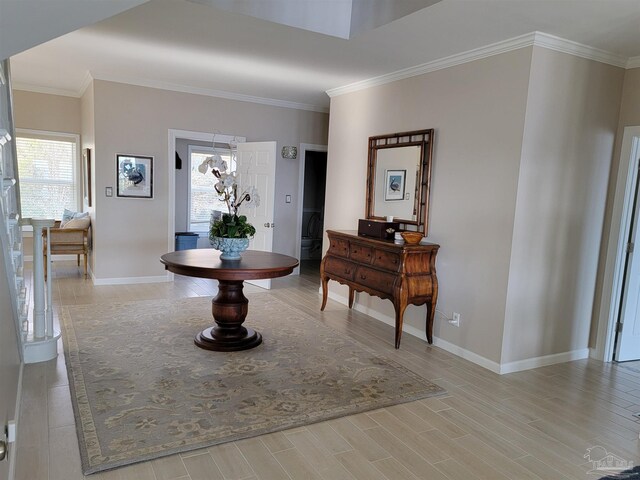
<point>141,389</point>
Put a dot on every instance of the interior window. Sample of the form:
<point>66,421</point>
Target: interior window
<point>203,199</point>
<point>47,169</point>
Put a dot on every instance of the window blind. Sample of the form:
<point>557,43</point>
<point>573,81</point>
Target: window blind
<point>47,172</point>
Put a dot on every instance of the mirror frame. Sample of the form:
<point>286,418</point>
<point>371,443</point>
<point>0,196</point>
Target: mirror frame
<point>421,138</point>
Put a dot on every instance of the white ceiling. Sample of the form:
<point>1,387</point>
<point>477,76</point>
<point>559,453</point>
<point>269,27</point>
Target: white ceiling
<point>186,46</point>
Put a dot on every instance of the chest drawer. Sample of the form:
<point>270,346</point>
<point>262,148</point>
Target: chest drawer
<point>339,247</point>
<point>341,268</point>
<point>360,253</point>
<point>387,260</point>
<point>381,281</point>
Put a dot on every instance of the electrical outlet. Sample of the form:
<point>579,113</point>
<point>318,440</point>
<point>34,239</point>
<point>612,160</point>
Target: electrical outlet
<point>455,321</point>
<point>11,431</point>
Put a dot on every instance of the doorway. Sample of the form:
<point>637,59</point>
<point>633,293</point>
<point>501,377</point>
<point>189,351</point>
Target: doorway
<point>619,326</point>
<point>313,179</point>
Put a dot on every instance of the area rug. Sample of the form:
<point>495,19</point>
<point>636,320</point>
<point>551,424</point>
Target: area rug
<point>141,389</point>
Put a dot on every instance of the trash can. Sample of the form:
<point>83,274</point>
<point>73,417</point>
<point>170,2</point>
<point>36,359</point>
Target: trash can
<point>186,240</point>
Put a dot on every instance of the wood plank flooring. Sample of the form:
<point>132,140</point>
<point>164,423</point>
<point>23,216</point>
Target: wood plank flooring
<point>528,425</point>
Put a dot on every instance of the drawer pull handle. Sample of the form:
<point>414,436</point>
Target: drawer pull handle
<point>363,277</point>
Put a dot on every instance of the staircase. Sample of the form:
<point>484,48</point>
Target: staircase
<point>37,338</point>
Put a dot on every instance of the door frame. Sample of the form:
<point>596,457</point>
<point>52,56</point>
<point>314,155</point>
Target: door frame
<point>174,134</point>
<point>616,255</point>
<point>303,148</point>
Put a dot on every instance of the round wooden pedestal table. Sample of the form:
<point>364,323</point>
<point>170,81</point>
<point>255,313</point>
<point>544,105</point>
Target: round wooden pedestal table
<point>230,306</point>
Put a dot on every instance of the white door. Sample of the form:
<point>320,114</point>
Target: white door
<point>628,340</point>
<point>257,167</point>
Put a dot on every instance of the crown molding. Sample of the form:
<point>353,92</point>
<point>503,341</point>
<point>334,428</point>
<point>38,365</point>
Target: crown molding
<point>451,61</point>
<point>538,39</point>
<point>633,62</point>
<point>28,87</point>
<point>142,82</point>
<point>90,77</point>
<point>579,50</point>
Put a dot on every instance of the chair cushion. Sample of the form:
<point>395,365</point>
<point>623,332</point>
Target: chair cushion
<point>70,215</point>
<point>82,223</point>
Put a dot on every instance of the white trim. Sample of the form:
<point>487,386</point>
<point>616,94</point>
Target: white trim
<point>633,62</point>
<point>61,136</point>
<point>618,234</point>
<point>27,87</point>
<point>208,92</point>
<point>562,45</point>
<point>302,149</point>
<point>413,331</point>
<point>16,418</point>
<point>273,102</point>
<point>467,355</point>
<point>495,367</point>
<point>543,361</point>
<point>132,280</point>
<point>88,79</point>
<point>538,39</point>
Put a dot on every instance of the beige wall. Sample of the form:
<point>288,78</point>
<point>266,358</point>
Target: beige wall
<point>478,111</point>
<point>131,234</point>
<point>41,111</point>
<point>571,121</point>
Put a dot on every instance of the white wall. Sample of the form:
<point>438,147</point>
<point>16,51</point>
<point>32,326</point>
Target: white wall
<point>571,121</point>
<point>130,119</point>
<point>478,111</point>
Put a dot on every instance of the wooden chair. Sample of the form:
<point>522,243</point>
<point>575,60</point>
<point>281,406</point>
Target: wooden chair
<point>67,241</point>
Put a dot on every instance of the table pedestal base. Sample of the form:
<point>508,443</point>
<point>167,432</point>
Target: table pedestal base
<point>229,309</point>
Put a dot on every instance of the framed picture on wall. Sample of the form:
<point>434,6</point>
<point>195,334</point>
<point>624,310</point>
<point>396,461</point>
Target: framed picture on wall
<point>394,185</point>
<point>135,176</point>
<point>86,175</point>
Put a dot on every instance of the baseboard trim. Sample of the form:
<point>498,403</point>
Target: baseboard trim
<point>543,361</point>
<point>467,355</point>
<point>495,367</point>
<point>129,280</point>
<point>13,447</point>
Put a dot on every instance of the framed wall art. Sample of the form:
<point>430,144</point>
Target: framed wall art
<point>135,176</point>
<point>394,185</point>
<point>86,175</point>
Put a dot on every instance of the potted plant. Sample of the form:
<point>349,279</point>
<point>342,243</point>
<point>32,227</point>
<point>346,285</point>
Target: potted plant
<point>231,233</point>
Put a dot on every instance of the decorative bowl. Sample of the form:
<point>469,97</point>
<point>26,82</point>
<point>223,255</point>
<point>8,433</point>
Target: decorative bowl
<point>412,238</point>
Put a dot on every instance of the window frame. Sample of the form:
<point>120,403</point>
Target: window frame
<point>59,136</point>
<point>51,135</point>
<point>207,151</point>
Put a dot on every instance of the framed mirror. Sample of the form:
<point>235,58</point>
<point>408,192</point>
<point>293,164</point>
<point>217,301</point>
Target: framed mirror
<point>398,178</point>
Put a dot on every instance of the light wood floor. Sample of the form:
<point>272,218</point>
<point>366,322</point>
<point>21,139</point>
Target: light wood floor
<point>529,425</point>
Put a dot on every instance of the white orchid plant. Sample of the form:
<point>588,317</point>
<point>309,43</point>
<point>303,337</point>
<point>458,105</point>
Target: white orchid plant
<point>231,225</point>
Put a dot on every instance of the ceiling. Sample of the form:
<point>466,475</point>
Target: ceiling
<point>188,46</point>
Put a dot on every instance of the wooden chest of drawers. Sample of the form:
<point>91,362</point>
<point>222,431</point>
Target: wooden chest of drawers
<point>404,274</point>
